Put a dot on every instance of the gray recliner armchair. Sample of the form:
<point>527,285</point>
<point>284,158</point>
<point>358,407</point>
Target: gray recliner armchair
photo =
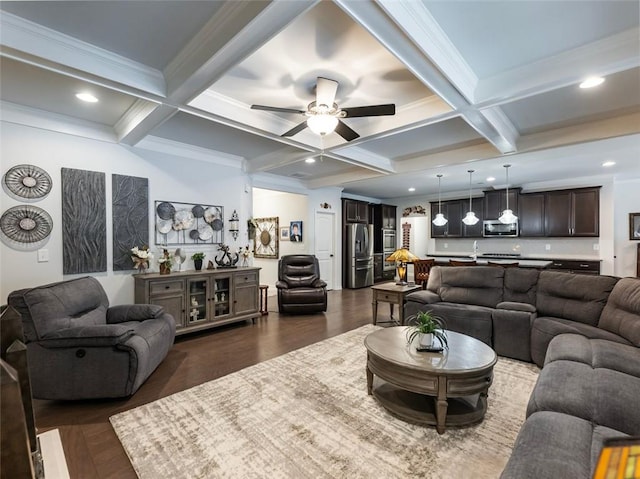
<point>80,348</point>
<point>300,289</point>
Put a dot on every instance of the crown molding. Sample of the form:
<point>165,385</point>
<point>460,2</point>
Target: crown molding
<point>25,36</point>
<point>176,148</point>
<point>566,68</point>
<point>44,120</point>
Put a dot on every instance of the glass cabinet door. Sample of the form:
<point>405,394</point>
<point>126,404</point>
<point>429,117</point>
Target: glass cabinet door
<point>197,299</point>
<point>222,296</point>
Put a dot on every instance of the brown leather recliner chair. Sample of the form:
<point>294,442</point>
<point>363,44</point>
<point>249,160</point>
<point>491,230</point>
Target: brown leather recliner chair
<point>300,289</point>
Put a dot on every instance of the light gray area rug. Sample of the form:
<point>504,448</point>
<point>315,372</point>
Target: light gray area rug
<point>307,414</point>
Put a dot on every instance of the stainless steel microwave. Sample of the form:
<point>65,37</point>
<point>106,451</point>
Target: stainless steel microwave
<point>494,228</point>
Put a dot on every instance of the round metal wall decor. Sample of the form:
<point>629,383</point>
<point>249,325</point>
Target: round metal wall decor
<point>28,181</point>
<point>26,224</point>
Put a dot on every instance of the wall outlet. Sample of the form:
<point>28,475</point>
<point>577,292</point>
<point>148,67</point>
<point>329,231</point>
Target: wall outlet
<point>596,246</point>
<point>547,247</point>
<point>43,255</point>
<point>446,245</point>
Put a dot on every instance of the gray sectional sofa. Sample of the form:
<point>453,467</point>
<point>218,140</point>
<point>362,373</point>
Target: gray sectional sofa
<point>584,331</point>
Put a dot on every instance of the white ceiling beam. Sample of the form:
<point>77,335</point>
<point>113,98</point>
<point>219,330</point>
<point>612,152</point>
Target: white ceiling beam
<point>29,40</point>
<point>603,57</point>
<point>183,150</point>
<point>399,29</point>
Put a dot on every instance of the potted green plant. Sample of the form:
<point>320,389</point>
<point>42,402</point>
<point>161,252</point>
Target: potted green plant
<point>426,326</point>
<point>197,260</point>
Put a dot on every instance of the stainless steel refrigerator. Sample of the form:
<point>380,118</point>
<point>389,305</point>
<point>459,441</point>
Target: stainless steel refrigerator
<point>360,255</point>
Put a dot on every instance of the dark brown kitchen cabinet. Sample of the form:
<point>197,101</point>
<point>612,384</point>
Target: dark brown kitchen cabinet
<point>388,216</point>
<point>495,202</point>
<point>474,231</point>
<point>573,212</point>
<point>531,214</point>
<point>355,211</point>
<point>452,210</point>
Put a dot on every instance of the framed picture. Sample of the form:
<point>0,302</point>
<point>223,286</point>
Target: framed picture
<point>634,226</point>
<point>284,234</point>
<point>295,231</point>
<point>265,244</point>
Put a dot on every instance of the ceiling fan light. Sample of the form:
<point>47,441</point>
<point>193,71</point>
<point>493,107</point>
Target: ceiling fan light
<point>471,219</point>
<point>508,217</point>
<point>440,220</point>
<point>322,124</point>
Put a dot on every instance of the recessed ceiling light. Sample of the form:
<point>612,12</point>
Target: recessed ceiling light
<point>608,163</point>
<point>310,160</point>
<point>412,189</point>
<point>591,82</point>
<point>88,97</point>
<point>490,179</point>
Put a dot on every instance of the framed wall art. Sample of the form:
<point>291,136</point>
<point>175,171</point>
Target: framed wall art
<point>265,244</point>
<point>284,233</point>
<point>634,226</point>
<point>188,223</point>
<point>295,233</point>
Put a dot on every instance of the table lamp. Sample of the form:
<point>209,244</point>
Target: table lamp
<point>402,256</point>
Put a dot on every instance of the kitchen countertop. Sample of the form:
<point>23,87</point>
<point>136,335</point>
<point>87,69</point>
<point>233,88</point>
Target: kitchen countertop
<point>515,258</point>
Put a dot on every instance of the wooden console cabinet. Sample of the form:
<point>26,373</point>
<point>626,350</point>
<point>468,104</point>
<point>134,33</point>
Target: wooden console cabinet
<point>202,299</point>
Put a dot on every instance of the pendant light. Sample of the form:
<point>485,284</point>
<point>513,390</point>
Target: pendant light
<point>507,215</point>
<point>471,218</point>
<point>439,220</point>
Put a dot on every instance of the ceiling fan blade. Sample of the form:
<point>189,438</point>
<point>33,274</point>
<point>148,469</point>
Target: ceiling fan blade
<point>277,109</point>
<point>295,129</point>
<point>372,110</point>
<point>345,132</point>
<point>326,91</point>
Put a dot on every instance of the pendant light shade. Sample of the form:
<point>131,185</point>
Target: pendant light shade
<point>470,219</point>
<point>439,220</point>
<point>507,215</point>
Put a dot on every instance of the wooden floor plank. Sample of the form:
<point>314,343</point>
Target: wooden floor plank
<point>91,446</point>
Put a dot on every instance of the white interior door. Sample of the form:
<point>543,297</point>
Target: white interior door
<point>325,245</point>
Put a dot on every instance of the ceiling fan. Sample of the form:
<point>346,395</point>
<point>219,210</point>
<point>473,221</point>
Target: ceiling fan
<point>324,116</point>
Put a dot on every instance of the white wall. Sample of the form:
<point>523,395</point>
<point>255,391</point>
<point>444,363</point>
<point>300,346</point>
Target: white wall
<point>287,207</point>
<point>626,197</point>
<point>170,178</point>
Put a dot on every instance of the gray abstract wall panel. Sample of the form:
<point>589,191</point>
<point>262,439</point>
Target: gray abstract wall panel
<point>130,196</point>
<point>84,221</point>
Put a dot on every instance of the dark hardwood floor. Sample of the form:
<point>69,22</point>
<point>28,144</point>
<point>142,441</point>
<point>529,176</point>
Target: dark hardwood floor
<point>91,447</point>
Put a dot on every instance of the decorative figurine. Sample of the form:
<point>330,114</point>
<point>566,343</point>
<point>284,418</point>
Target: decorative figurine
<point>228,259</point>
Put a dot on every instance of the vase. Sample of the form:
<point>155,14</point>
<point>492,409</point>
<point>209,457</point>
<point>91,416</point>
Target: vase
<point>164,269</point>
<point>198,264</point>
<point>425,340</point>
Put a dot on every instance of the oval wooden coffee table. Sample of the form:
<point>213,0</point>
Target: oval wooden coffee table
<point>441,389</point>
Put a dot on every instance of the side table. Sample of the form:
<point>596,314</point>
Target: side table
<point>393,294</point>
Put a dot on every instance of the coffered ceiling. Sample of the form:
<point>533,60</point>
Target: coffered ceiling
<point>476,84</point>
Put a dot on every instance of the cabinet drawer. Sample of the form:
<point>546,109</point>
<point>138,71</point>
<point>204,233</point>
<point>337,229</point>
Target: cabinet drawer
<point>571,265</point>
<point>389,297</point>
<point>166,287</point>
<point>246,278</point>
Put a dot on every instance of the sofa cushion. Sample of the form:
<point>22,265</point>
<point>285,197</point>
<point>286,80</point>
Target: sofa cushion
<point>621,314</point>
<point>597,353</point>
<point>520,285</point>
<point>603,396</point>
<point>546,328</point>
<point>62,305</point>
<point>474,285</point>
<point>578,297</point>
<point>555,445</point>
<point>471,320</point>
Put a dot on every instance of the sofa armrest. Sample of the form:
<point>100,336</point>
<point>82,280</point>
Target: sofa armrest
<point>87,336</point>
<point>318,283</point>
<point>424,297</point>
<point>133,312</point>
<point>513,306</point>
<point>282,284</point>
